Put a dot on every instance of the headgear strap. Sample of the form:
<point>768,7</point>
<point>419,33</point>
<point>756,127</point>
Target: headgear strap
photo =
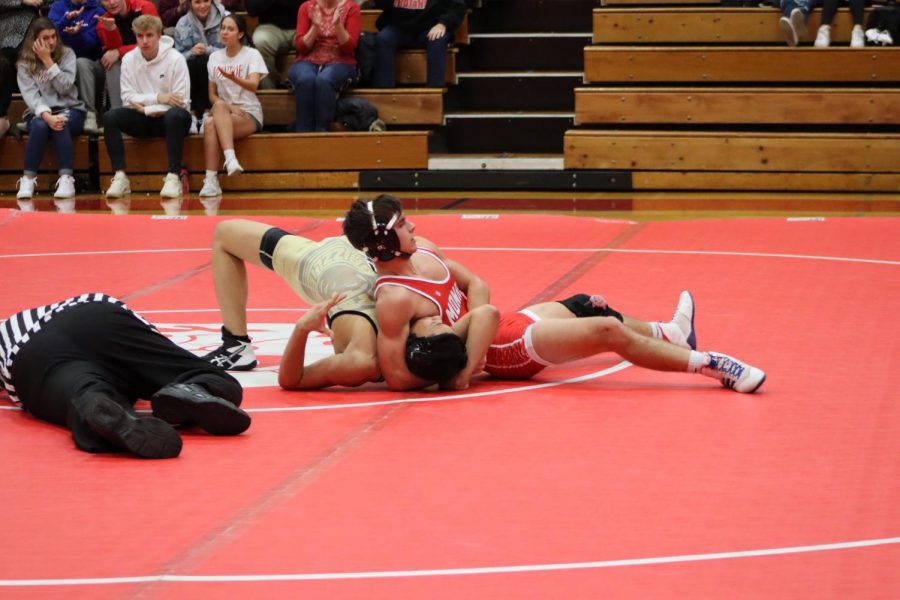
<point>383,244</point>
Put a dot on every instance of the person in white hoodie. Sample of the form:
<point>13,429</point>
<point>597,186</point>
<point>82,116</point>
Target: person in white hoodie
<point>156,92</point>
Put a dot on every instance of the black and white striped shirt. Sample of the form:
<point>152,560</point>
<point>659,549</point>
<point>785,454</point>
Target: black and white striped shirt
<point>18,329</point>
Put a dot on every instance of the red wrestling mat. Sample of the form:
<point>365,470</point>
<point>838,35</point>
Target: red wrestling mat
<point>594,480</point>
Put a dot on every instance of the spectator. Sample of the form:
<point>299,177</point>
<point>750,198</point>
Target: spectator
<point>829,9</point>
<point>15,17</point>
<point>46,76</point>
<point>274,35</point>
<point>77,26</point>
<point>196,37</point>
<point>793,21</point>
<point>234,76</point>
<point>403,23</point>
<point>172,10</point>
<point>327,34</point>
<point>114,27</point>
<point>156,91</point>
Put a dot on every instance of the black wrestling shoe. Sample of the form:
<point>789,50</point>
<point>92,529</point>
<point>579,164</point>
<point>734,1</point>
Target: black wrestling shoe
<point>184,403</point>
<point>233,355</point>
<point>147,437</point>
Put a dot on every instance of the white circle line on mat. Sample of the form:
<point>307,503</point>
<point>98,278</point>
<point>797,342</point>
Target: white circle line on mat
<point>873,261</point>
<point>446,398</point>
<point>449,572</point>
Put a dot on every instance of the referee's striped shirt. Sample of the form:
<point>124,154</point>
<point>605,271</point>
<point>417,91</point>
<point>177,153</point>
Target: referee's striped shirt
<point>18,329</point>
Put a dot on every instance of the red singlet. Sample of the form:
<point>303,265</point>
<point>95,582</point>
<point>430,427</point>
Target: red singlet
<point>451,301</point>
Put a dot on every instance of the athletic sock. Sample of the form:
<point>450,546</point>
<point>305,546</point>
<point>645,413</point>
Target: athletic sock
<point>212,174</point>
<point>656,330</point>
<point>229,155</point>
<point>697,361</point>
<point>226,334</point>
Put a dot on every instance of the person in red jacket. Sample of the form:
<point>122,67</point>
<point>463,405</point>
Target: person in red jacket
<point>326,38</point>
<point>117,38</point>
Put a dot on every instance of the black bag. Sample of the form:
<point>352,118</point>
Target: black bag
<point>357,114</point>
<point>886,18</point>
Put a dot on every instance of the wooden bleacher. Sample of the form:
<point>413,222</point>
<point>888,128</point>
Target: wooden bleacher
<point>280,161</point>
<point>712,98</point>
<point>708,25</point>
<point>396,106</point>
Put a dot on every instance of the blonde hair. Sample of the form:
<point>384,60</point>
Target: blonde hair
<point>27,57</point>
<point>147,22</point>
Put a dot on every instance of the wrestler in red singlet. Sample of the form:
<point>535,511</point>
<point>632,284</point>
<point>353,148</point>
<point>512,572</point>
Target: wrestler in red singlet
<point>445,293</point>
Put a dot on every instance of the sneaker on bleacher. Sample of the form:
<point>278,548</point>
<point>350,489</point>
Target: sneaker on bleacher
<point>91,125</point>
<point>119,186</point>
<point>171,186</point>
<point>857,37</point>
<point>211,187</point>
<point>26,187</point>
<point>65,187</point>
<point>823,37</point>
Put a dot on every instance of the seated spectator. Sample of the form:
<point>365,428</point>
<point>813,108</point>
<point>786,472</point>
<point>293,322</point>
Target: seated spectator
<point>172,10</point>
<point>274,35</point>
<point>46,76</point>
<point>196,37</point>
<point>77,26</point>
<point>403,24</point>
<point>793,22</point>
<point>118,40</point>
<point>156,90</point>
<point>234,76</point>
<point>829,9</point>
<point>15,17</point>
<point>327,34</point>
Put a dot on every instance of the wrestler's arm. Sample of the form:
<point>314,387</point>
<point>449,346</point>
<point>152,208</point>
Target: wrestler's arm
<point>333,370</point>
<point>477,328</point>
<point>394,311</point>
<point>476,289</point>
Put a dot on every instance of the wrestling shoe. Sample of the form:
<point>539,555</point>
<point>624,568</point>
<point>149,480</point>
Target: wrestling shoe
<point>680,330</point>
<point>733,373</point>
<point>190,403</point>
<point>147,437</point>
<point>233,355</point>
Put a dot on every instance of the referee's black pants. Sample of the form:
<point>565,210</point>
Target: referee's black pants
<point>99,347</point>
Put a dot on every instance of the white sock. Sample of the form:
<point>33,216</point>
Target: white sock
<point>229,155</point>
<point>697,361</point>
<point>656,330</point>
<point>212,174</point>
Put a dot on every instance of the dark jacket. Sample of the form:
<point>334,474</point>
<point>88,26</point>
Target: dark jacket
<point>281,13</point>
<point>404,15</point>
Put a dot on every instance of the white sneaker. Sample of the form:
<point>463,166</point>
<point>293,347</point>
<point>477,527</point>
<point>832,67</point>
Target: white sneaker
<point>65,187</point>
<point>233,166</point>
<point>823,37</point>
<point>26,187</point>
<point>25,205</point>
<point>798,20</point>
<point>211,187</point>
<point>733,373</point>
<point>90,124</point>
<point>194,129</point>
<point>857,37</point>
<point>787,28</point>
<point>171,186</point>
<point>65,206</point>
<point>119,186</point>
<point>680,330</point>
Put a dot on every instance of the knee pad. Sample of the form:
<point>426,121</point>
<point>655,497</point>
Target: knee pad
<point>583,305</point>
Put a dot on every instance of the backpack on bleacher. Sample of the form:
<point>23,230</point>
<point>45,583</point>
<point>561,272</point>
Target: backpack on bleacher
<point>883,26</point>
<point>357,114</point>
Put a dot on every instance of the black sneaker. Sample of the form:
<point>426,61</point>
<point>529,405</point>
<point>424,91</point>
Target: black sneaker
<point>185,403</point>
<point>148,437</point>
<point>233,355</point>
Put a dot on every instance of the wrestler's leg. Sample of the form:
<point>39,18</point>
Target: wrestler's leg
<point>354,338</point>
<point>564,340</point>
<point>235,242</point>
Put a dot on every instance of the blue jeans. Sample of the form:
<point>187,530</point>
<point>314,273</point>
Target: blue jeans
<point>805,6</point>
<point>390,39</point>
<point>39,133</point>
<point>316,89</point>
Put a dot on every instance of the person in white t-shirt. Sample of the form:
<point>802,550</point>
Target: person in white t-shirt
<point>234,75</point>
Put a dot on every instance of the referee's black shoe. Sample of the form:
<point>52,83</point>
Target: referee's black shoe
<point>189,403</point>
<point>147,437</point>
